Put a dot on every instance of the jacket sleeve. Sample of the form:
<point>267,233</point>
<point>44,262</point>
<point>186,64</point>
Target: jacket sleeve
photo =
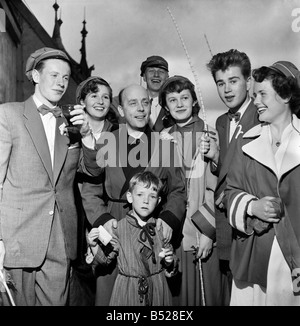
<point>5,150</point>
<point>236,199</point>
<point>175,206</point>
<point>204,216</point>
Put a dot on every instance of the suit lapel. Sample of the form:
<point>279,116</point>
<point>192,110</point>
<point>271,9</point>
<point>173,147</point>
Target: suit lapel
<point>34,125</point>
<point>248,120</point>
<point>158,126</point>
<point>60,149</point>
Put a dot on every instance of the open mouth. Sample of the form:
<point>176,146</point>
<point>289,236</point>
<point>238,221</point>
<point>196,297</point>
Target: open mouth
<point>229,98</point>
<point>261,110</point>
<point>156,81</point>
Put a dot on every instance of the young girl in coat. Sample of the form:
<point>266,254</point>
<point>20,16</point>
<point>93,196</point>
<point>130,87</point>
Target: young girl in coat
<point>143,259</point>
<point>201,280</point>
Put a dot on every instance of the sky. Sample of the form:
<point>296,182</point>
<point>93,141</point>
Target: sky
<point>123,33</point>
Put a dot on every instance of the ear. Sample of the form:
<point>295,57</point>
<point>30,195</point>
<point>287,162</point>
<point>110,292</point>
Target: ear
<point>82,103</point>
<point>195,102</point>
<point>35,76</point>
<point>158,201</point>
<point>248,82</point>
<point>144,78</point>
<point>121,111</point>
<point>129,197</point>
<point>286,100</point>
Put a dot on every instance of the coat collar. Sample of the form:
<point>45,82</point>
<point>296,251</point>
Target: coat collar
<point>260,149</point>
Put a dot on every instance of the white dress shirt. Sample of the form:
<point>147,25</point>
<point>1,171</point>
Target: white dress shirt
<point>233,123</point>
<point>155,110</point>
<point>49,122</point>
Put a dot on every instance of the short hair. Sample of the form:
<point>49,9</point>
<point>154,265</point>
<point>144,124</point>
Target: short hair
<point>177,84</point>
<point>148,179</point>
<point>285,87</point>
<point>224,60</point>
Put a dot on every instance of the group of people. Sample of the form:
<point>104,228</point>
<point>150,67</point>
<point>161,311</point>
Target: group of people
<point>178,213</point>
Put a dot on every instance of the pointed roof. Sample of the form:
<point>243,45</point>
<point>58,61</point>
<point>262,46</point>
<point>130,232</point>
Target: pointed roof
<point>83,62</point>
<point>80,71</point>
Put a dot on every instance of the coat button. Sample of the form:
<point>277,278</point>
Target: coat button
<point>51,213</point>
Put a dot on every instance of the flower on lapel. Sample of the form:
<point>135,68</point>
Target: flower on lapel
<point>63,129</point>
<point>164,135</point>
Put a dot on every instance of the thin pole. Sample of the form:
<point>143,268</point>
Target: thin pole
<point>201,274</point>
<point>198,93</point>
<point>2,279</point>
<point>208,45</point>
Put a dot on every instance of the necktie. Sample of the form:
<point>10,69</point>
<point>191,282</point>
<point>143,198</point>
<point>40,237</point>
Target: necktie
<point>44,109</point>
<point>236,116</point>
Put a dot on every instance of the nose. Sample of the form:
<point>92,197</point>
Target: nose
<point>146,199</point>
<point>156,73</point>
<point>99,99</point>
<point>179,103</point>
<point>60,81</point>
<point>227,87</point>
<point>256,100</point>
<point>140,107</point>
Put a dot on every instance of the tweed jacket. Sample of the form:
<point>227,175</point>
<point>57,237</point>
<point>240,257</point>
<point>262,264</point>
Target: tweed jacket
<point>31,190</point>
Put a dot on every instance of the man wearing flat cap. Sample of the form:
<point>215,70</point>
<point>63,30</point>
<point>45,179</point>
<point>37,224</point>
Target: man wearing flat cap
<point>154,71</point>
<point>38,162</point>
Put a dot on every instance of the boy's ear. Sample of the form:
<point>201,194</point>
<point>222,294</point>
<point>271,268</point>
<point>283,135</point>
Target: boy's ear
<point>158,201</point>
<point>35,76</point>
<point>129,197</point>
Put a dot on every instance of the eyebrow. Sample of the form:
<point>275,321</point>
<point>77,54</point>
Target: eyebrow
<point>233,77</point>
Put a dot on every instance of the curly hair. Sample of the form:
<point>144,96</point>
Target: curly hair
<point>224,60</point>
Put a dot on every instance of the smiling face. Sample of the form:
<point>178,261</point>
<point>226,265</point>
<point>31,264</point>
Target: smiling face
<point>154,77</point>
<point>135,107</point>
<point>232,87</point>
<point>97,103</point>
<point>143,199</point>
<point>180,105</point>
<point>270,106</point>
<point>52,80</point>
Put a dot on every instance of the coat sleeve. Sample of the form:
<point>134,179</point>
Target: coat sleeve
<point>236,197</point>
<point>5,150</point>
<point>175,206</point>
<point>204,217</point>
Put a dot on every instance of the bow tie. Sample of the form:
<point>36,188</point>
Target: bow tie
<point>44,109</point>
<point>236,116</point>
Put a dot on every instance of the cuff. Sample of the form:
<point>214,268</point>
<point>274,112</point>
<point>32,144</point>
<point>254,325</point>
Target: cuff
<point>203,225</point>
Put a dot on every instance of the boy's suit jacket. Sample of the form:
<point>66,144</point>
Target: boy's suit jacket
<point>31,190</point>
